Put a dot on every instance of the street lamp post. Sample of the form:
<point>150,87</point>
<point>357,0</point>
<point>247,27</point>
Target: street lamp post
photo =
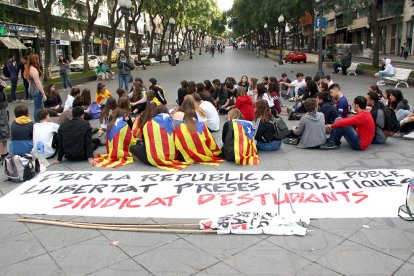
<point>252,40</point>
<point>172,24</point>
<point>125,7</point>
<point>265,39</point>
<point>320,10</point>
<point>201,38</point>
<point>281,19</point>
<point>191,52</point>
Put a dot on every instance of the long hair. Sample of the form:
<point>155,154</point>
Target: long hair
<point>261,90</point>
<point>51,94</point>
<point>262,111</point>
<point>147,114</point>
<point>111,105</point>
<point>274,87</point>
<point>124,103</point>
<point>137,92</point>
<point>398,98</point>
<point>86,96</point>
<point>191,87</point>
<point>189,109</point>
<point>189,102</point>
<point>312,88</point>
<point>118,113</point>
<point>33,60</point>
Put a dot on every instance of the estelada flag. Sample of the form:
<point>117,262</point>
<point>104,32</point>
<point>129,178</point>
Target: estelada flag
<point>245,150</point>
<point>118,142</point>
<point>136,130</point>
<point>99,99</point>
<point>159,144</point>
<point>198,146</point>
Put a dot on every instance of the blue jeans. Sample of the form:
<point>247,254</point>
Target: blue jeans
<point>123,79</point>
<point>382,75</point>
<point>350,134</point>
<point>292,92</point>
<point>271,146</point>
<point>38,104</point>
<point>401,114</point>
<point>13,88</point>
<point>66,81</point>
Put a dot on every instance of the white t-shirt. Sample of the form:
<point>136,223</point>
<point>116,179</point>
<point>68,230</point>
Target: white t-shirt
<point>69,102</point>
<point>213,120</point>
<point>266,97</point>
<point>298,85</point>
<point>43,132</point>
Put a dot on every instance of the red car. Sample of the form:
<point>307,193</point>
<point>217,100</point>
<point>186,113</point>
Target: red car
<point>295,56</point>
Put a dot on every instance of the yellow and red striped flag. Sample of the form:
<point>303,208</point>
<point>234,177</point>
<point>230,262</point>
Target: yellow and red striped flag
<point>136,130</point>
<point>198,146</point>
<point>99,99</point>
<point>118,141</point>
<point>245,150</point>
<point>159,144</point>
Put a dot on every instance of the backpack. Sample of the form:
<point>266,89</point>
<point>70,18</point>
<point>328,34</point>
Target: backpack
<point>280,127</point>
<point>228,148</point>
<point>19,169</point>
<point>95,110</point>
<point>6,72</point>
<point>391,124</point>
<point>406,211</point>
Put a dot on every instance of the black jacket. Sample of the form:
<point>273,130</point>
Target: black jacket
<point>265,132</point>
<point>330,112</point>
<point>75,140</point>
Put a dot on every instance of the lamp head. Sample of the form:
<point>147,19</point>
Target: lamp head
<point>281,18</point>
<point>265,26</point>
<point>172,21</point>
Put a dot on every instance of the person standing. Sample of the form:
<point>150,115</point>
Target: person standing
<point>23,62</point>
<point>33,74</point>
<point>406,51</point>
<point>125,66</point>
<point>169,56</point>
<point>177,57</point>
<point>64,70</point>
<point>4,122</point>
<point>14,75</point>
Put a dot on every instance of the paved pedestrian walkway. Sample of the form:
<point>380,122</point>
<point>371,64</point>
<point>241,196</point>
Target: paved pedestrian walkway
<point>380,246</point>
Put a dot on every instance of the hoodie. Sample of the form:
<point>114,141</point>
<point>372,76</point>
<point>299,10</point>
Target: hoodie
<point>245,105</point>
<point>311,129</point>
<point>388,67</point>
<point>21,136</point>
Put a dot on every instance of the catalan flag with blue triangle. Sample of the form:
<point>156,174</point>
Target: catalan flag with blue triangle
<point>159,144</point>
<point>197,146</point>
<point>245,150</point>
<point>136,130</point>
<point>118,141</point>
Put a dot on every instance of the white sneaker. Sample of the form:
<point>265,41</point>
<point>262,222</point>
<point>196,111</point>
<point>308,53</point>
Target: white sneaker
<point>381,83</point>
<point>409,136</point>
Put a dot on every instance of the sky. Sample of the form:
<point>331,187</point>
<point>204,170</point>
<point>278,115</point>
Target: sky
<point>225,4</point>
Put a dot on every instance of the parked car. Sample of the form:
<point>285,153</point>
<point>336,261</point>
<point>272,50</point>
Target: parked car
<point>145,51</point>
<point>296,56</point>
<point>77,64</point>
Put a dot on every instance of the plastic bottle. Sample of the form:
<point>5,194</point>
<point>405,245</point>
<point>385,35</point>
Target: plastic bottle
<point>40,154</point>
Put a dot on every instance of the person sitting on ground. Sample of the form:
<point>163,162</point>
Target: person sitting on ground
<point>262,94</point>
<point>311,127</point>
<point>148,151</point>
<point>296,87</point>
<point>323,87</point>
<point>311,90</point>
<point>284,81</point>
<point>387,72</point>
<point>21,131</point>
<point>189,101</point>
<point>265,133</point>
<point>159,92</point>
<point>213,120</point>
<point>182,91</point>
<point>399,104</point>
<point>236,132</point>
<point>193,139</point>
<point>45,132</point>
<point>191,88</point>
<point>53,104</point>
<point>146,115</point>
<point>209,87</point>
<point>138,98</point>
<point>102,94</point>
<point>67,114</point>
<point>75,139</point>
<point>358,130</point>
<point>118,141</point>
<point>74,92</point>
<point>317,79</point>
<point>376,89</point>
<point>252,86</point>
<point>204,93</point>
<point>125,104</point>
<point>265,81</point>
<point>341,102</point>
<point>122,92</point>
<point>87,100</point>
<point>244,82</point>
<point>274,92</point>
<point>245,105</point>
<point>231,92</point>
<point>327,108</point>
<point>377,112</point>
<point>220,94</point>
<point>107,111</point>
<point>327,79</point>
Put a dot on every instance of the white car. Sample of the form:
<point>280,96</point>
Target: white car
<point>77,64</point>
<point>145,51</point>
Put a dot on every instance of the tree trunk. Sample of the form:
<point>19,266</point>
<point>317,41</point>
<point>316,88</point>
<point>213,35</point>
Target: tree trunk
<point>88,33</point>
<point>375,35</point>
<point>139,40</point>
<point>48,38</point>
<point>184,40</point>
<point>162,43</point>
<point>111,47</point>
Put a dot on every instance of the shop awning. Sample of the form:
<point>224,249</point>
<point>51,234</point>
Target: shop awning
<point>12,43</point>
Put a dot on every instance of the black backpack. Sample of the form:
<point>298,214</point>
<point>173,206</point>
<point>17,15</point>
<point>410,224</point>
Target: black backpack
<point>6,72</point>
<point>228,148</point>
<point>280,127</point>
<point>391,124</point>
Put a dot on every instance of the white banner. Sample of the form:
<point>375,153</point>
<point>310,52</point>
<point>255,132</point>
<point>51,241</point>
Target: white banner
<point>331,194</point>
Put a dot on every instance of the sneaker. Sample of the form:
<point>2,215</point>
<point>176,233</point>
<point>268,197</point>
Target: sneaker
<point>381,83</point>
<point>409,136</point>
<point>399,135</point>
<point>288,109</point>
<point>292,99</point>
<point>329,145</point>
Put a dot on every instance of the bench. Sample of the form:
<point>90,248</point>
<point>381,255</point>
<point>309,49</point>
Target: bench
<point>352,69</point>
<point>153,61</point>
<point>400,76</point>
<point>99,76</point>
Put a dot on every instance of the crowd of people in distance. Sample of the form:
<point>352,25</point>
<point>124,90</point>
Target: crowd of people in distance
<point>138,126</point>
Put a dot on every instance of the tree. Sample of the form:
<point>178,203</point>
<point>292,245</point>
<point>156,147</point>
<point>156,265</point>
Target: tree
<point>92,8</point>
<point>115,18</point>
<point>137,6</point>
